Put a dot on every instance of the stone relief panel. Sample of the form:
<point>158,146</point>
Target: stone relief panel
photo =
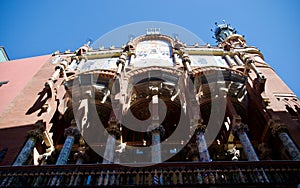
<point>207,60</point>
<point>153,53</point>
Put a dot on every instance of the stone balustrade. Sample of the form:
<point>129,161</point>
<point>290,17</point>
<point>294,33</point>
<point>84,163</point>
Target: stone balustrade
<point>279,173</point>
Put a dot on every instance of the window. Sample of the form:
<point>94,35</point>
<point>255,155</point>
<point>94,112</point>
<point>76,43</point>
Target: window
<point>3,55</point>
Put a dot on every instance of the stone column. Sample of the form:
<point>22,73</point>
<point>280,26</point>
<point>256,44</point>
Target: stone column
<point>186,62</point>
<point>121,62</point>
<point>59,69</point>
<point>33,136</point>
<point>176,57</point>
<point>201,142</point>
<point>157,133</point>
<point>72,134</point>
<point>155,129</point>
<point>240,130</point>
<point>280,130</point>
<point>114,133</point>
<point>72,66</point>
<point>289,146</point>
<point>238,60</point>
<point>229,61</point>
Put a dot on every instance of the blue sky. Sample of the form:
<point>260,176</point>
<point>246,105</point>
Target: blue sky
<point>30,28</point>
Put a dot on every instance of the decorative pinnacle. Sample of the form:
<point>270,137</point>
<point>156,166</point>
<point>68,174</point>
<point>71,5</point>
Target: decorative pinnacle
<point>223,31</point>
<point>130,38</point>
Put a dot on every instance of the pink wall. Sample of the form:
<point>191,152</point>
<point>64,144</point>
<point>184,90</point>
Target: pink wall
<point>18,73</point>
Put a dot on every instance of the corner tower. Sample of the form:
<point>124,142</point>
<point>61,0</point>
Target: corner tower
<point>272,103</point>
<point>228,37</point>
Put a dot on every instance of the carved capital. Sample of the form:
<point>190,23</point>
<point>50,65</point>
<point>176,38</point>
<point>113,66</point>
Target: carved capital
<point>37,133</point>
<point>72,131</point>
<point>122,59</point>
<point>186,58</point>
<point>200,128</point>
<point>240,128</point>
<point>276,126</point>
<point>156,129</point>
<point>236,120</point>
<point>114,131</point>
<point>113,127</point>
<point>177,51</point>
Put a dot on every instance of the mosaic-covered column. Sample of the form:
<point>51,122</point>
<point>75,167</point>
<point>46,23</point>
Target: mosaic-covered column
<point>114,133</point>
<point>240,130</point>
<point>201,142</point>
<point>157,133</point>
<point>72,134</point>
<point>33,137</point>
<point>155,130</point>
<point>278,129</point>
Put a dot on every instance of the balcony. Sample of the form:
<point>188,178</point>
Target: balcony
<point>213,174</point>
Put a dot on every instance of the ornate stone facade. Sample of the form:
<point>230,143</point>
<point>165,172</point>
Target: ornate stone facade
<point>218,101</point>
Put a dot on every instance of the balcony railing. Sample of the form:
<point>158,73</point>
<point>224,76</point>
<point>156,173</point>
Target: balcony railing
<point>216,174</point>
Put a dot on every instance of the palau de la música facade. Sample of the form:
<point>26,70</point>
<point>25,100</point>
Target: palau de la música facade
<point>157,111</point>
